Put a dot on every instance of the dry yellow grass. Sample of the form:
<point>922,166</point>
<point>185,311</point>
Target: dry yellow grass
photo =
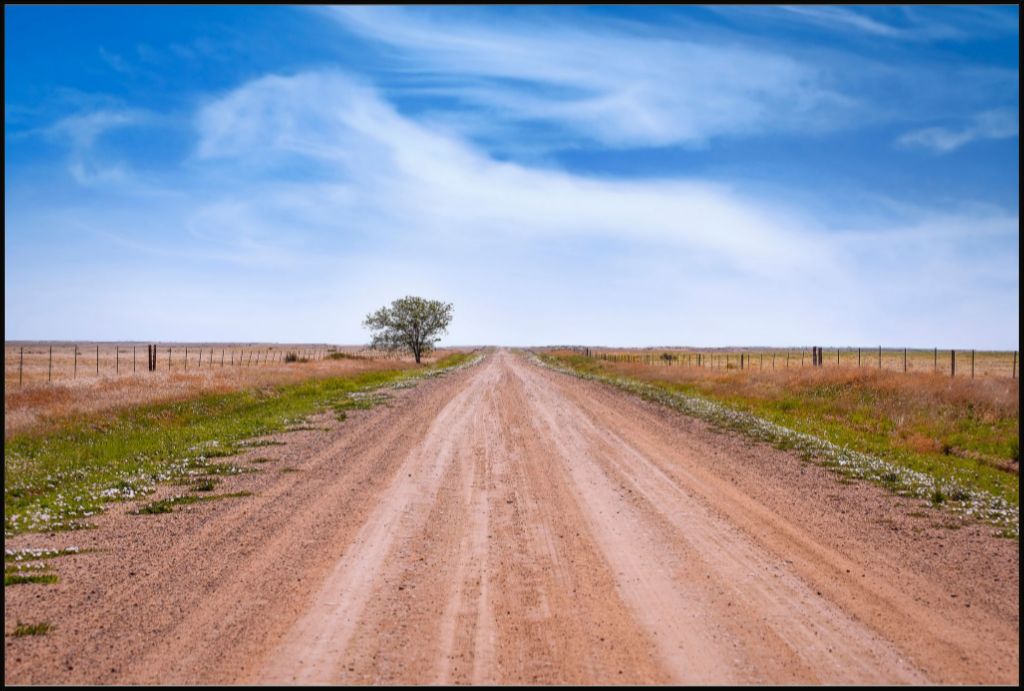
<point>919,411</point>
<point>38,405</point>
<point>986,363</point>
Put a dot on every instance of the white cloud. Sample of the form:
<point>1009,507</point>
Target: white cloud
<point>81,132</point>
<point>736,267</point>
<point>993,124</point>
<point>906,23</point>
<point>387,169</point>
<point>310,200</point>
<point>83,129</point>
<point>615,88</point>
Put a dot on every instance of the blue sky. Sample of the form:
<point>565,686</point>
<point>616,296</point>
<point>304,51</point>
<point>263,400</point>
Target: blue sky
<point>605,175</point>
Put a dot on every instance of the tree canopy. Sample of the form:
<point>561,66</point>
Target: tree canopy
<point>411,323</point>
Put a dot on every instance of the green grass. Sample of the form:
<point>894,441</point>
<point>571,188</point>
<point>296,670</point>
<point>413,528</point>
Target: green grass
<point>167,505</point>
<point>40,629</point>
<point>22,578</point>
<point>40,554</point>
<point>870,434</point>
<point>204,484</point>
<point>57,479</point>
<point>816,412</point>
<point>963,484</point>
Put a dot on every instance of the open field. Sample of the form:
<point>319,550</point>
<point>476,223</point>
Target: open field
<point>39,405</point>
<point>58,476</point>
<point>963,430</point>
<point>506,523</point>
<point>28,363</point>
<point>960,363</point>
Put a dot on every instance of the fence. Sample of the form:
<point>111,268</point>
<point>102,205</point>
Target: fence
<point>43,363</point>
<point>956,363</point>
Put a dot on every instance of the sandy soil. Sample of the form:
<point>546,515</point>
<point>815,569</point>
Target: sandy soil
<point>510,524</point>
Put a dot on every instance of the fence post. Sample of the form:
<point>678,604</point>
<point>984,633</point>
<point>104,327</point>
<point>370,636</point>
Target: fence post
<point>858,358</point>
<point>21,363</point>
<point>935,367</point>
<point>972,363</point>
<point>49,367</point>
<point>117,359</point>
<point>1013,375</point>
<point>952,363</point>
<point>97,360</point>
<point>879,357</point>
<point>904,360</point>
<point>75,374</point>
<point>186,357</point>
<point>133,358</point>
<point>168,358</point>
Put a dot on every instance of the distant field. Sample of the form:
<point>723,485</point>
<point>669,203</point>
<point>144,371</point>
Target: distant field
<point>980,363</point>
<point>49,393</point>
<point>965,429</point>
<point>41,362</point>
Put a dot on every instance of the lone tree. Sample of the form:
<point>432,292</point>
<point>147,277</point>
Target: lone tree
<point>410,322</point>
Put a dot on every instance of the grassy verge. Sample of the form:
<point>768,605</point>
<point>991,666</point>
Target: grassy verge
<point>809,425</point>
<point>167,505</point>
<point>57,479</point>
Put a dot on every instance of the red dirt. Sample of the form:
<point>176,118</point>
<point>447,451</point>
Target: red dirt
<point>509,524</point>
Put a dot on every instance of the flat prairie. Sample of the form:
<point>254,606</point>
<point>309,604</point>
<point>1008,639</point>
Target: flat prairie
<point>38,404</point>
<point>506,523</point>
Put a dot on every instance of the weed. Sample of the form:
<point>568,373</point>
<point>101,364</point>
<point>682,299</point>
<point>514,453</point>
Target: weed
<point>21,578</point>
<point>205,484</point>
<point>29,554</point>
<point>167,505</point>
<point>40,629</point>
<point>256,443</point>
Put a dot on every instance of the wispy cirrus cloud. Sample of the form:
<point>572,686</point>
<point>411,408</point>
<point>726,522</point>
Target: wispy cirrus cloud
<point>386,178</point>
<point>994,124</point>
<point>743,157</point>
<point>908,23</point>
<point>82,130</point>
<point>613,87</point>
<point>381,163</point>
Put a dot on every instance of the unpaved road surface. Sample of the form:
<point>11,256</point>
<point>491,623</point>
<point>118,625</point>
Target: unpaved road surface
<point>506,524</point>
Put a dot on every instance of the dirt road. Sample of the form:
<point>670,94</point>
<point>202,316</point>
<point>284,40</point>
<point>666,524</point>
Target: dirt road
<point>511,524</point>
